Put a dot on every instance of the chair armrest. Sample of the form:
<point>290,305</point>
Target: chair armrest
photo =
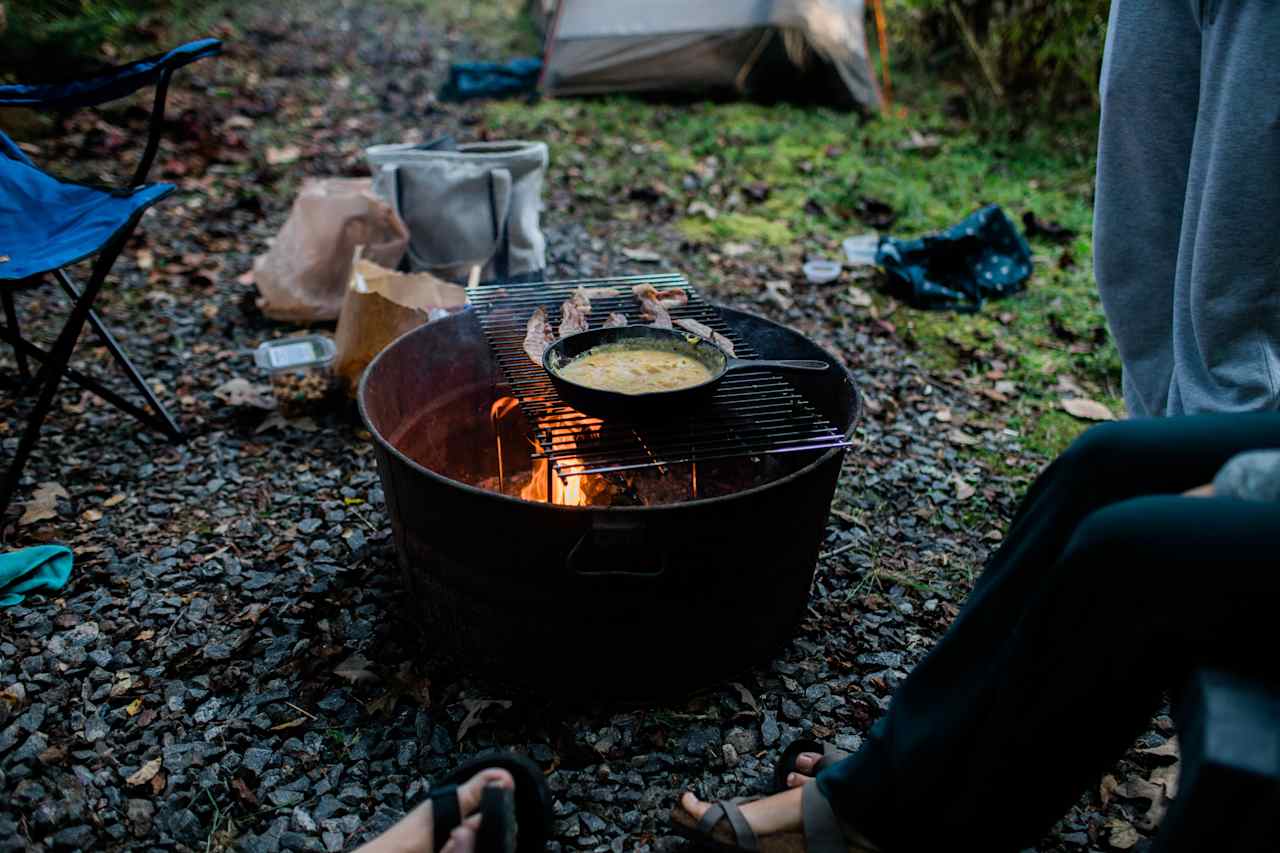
<point>118,82</point>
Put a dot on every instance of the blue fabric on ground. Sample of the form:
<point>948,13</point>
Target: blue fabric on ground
<point>982,257</point>
<point>46,223</point>
<point>492,79</point>
<point>44,568</point>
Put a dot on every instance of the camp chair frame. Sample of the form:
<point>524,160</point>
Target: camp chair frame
<point>55,362</point>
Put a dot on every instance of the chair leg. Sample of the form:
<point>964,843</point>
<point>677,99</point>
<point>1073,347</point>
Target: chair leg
<point>168,426</point>
<point>11,318</point>
<point>60,356</point>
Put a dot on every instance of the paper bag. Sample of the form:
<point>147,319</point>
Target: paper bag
<point>380,306</point>
<point>303,278</point>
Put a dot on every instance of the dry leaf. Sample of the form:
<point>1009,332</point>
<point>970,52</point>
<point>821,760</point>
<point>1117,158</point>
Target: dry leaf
<point>143,636</point>
<point>1107,789</point>
<point>114,500</point>
<point>1167,777</point>
<point>356,670</point>
<point>43,503</point>
<point>963,439</point>
<point>1122,834</point>
<point>291,724</point>
<point>476,707</point>
<point>777,292</point>
<point>642,256</point>
<point>745,695</point>
<point>859,298</point>
<point>283,156</point>
<point>964,491</point>
<point>134,708</point>
<point>145,259</point>
<point>91,515</point>
<point>1089,410</point>
<point>157,784</point>
<point>242,392</point>
<point>146,772</point>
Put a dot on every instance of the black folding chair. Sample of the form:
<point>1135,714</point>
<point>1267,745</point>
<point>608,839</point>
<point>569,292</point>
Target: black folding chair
<point>47,224</point>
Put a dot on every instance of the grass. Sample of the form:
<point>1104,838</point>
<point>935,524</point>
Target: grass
<point>706,159</point>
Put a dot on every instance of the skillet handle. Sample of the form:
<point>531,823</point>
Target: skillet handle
<point>801,364</point>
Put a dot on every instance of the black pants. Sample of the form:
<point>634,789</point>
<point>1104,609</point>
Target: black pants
<point>1109,588</point>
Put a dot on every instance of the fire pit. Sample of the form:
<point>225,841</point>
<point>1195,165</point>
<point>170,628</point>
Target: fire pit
<point>595,557</point>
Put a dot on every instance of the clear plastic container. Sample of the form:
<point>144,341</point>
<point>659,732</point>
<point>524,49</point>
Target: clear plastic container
<point>301,371</point>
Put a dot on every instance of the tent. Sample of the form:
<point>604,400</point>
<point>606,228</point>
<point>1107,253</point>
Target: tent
<point>808,50</point>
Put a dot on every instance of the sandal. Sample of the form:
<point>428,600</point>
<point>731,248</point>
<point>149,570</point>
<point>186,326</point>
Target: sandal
<point>503,811</point>
<point>725,828</point>
<point>787,762</point>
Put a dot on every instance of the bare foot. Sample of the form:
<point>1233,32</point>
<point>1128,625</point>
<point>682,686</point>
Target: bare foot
<point>779,813</point>
<point>414,833</point>
<point>803,774</point>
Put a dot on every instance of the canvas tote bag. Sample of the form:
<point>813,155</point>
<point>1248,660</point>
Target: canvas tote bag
<point>472,206</point>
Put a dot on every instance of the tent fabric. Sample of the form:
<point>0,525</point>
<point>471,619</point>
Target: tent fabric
<point>601,46</point>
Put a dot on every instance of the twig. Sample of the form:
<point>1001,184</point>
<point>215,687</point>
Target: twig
<point>301,711</point>
<point>838,551</point>
<point>983,62</point>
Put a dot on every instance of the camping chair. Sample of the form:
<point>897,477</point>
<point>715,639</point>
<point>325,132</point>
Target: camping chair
<point>47,224</point>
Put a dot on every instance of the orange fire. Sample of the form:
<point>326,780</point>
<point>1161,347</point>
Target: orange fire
<point>569,492</point>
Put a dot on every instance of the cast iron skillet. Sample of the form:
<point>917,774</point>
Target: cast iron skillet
<point>593,401</point>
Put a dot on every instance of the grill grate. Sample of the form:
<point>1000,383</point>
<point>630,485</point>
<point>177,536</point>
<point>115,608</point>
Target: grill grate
<point>752,412</point>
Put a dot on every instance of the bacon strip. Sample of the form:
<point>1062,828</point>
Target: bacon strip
<point>702,330</point>
<point>538,336</point>
<point>615,321</point>
<point>673,298</point>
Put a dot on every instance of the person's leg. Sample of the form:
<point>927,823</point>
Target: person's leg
<point>1226,327</point>
<point>1145,589</point>
<point>1149,86</point>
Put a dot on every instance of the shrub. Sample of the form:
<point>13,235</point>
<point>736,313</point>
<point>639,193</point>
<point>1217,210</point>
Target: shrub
<point>1013,54</point>
<point>45,40</point>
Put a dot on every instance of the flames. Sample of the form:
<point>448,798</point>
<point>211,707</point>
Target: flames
<point>574,491</point>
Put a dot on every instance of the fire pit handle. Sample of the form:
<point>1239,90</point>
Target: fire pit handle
<point>613,542</point>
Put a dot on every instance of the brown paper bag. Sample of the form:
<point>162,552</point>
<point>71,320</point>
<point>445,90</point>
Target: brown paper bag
<point>303,278</point>
<point>380,306</point>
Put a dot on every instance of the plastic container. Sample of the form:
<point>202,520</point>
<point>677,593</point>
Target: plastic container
<point>301,371</point>
<point>821,271</point>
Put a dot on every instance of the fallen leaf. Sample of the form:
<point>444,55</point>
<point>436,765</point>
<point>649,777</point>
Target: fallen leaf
<point>963,439</point>
<point>283,155</point>
<point>134,708</point>
<point>91,515</point>
<point>777,292</point>
<point>114,500</point>
<point>1089,410</point>
<point>53,755</point>
<point>43,503</point>
<point>1167,777</point>
<point>1107,789</point>
<point>476,707</point>
<point>242,392</point>
<point>1122,834</point>
<point>143,636</point>
<point>642,256</point>
<point>157,784</point>
<point>859,297</point>
<point>145,259</point>
<point>745,695</point>
<point>146,772</point>
<point>290,724</point>
<point>964,491</point>
<point>356,670</point>
<point>246,796</point>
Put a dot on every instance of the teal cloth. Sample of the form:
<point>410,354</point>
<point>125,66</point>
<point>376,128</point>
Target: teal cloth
<point>44,568</point>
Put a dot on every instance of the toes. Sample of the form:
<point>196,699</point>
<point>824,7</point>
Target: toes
<point>806,761</point>
<point>797,780</point>
<point>469,792</point>
<point>463,837</point>
<point>693,805</point>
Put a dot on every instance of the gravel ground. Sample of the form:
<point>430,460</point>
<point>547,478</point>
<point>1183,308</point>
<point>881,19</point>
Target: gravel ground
<point>229,667</point>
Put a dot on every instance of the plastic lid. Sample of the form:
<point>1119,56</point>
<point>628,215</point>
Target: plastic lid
<point>294,353</point>
<point>821,271</point>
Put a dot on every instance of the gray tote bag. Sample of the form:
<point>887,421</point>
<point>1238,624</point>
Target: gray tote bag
<point>471,206</point>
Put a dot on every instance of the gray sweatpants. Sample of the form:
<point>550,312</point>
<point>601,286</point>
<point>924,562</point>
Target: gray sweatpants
<point>1187,213</point>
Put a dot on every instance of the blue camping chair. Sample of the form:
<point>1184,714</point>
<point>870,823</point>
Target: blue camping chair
<point>47,224</point>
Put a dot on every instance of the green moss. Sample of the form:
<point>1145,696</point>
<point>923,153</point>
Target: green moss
<point>737,227</point>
